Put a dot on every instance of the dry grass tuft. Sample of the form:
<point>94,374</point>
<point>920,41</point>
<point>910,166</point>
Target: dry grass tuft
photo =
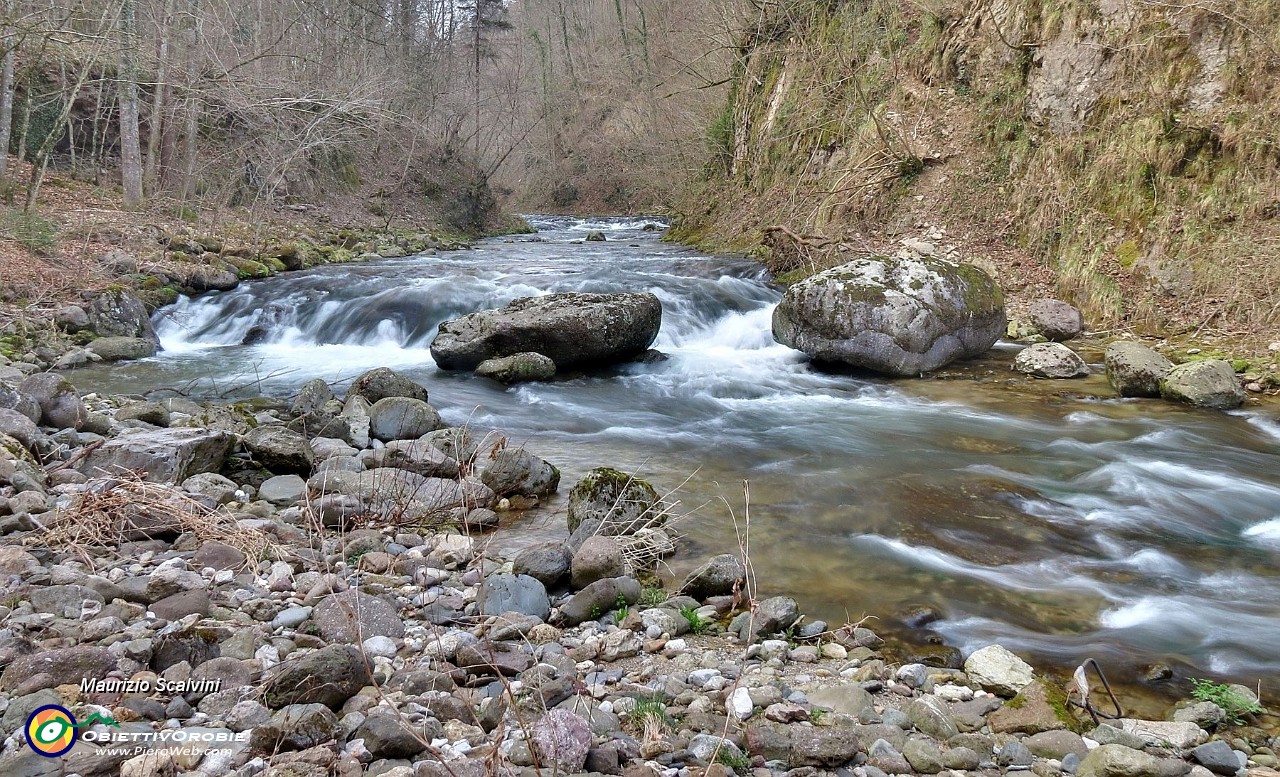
<point>116,510</point>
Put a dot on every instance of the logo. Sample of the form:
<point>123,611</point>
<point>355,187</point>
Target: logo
<point>52,730</point>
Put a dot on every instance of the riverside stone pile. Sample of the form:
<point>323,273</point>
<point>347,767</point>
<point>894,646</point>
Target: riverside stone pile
<point>1132,369</point>
<point>286,626</point>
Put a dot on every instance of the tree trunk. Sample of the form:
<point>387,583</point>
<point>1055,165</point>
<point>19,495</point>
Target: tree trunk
<point>193,104</point>
<point>159,103</point>
<point>130,143</point>
<point>8,42</point>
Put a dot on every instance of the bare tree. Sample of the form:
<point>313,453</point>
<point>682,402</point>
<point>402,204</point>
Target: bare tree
<point>160,100</point>
<point>9,42</point>
<point>130,142</point>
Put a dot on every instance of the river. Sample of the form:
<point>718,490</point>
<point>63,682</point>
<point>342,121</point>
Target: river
<point>1052,519</point>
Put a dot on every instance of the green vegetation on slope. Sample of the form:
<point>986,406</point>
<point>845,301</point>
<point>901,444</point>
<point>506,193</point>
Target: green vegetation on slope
<point>1128,150</point>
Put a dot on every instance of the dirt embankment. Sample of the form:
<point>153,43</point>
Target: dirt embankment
<point>1118,155</point>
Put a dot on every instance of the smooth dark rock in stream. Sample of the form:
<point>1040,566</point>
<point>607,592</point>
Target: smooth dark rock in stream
<point>893,315</point>
<point>571,329</point>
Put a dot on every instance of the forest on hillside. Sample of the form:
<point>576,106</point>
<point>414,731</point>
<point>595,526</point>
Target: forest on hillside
<point>594,105</point>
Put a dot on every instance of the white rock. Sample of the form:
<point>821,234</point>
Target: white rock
<point>268,656</point>
<point>834,650</point>
<point>739,704</point>
<point>773,648</point>
<point>280,578</point>
<point>997,670</point>
<point>457,545</point>
<point>953,692</point>
<point>1159,732</point>
<point>380,646</point>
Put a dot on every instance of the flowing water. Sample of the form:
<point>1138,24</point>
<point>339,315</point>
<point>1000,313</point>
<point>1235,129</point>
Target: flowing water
<point>1061,525</point>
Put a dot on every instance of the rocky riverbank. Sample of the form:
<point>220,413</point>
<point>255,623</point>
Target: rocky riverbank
<point>912,313</point>
<point>312,589</point>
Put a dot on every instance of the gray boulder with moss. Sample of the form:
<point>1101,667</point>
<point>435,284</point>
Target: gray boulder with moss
<point>1210,383</point>
<point>571,329</point>
<point>614,498</point>
<point>1050,360</point>
<point>899,316</point>
<point>1135,370</point>
<point>117,313</point>
<point>518,368</point>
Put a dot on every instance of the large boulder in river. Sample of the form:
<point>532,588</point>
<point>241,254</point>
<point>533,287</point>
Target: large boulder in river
<point>1210,383</point>
<point>1135,370</point>
<point>1050,360</point>
<point>900,316</point>
<point>571,329</point>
